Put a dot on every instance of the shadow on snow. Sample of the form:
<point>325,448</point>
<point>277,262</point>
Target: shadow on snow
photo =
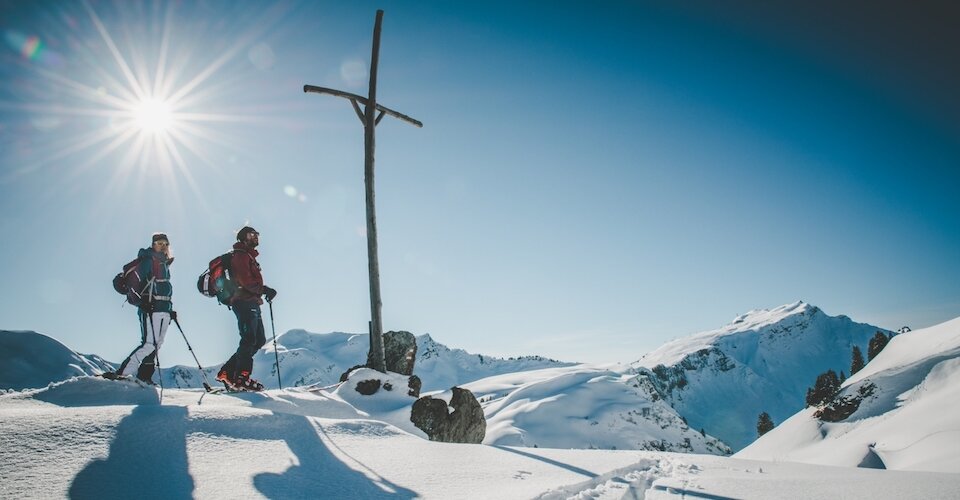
<point>148,459</point>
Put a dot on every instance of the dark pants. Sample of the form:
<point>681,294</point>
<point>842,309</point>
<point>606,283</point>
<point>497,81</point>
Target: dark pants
<point>252,338</point>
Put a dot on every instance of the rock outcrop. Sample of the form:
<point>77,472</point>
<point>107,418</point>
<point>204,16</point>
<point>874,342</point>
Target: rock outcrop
<point>465,424</point>
<point>400,352</point>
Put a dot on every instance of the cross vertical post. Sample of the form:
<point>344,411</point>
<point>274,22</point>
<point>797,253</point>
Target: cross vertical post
<point>370,118</point>
<point>375,359</point>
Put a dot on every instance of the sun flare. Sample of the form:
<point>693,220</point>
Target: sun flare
<point>145,106</point>
<point>153,116</point>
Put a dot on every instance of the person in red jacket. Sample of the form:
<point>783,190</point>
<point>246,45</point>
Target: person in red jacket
<point>245,303</point>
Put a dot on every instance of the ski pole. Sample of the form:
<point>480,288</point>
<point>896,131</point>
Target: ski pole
<point>274,328</point>
<point>206,384</point>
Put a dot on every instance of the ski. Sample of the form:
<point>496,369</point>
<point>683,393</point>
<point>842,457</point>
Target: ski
<point>124,378</point>
<point>228,387</point>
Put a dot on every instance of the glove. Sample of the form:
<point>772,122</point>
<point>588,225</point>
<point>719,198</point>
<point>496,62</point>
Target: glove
<point>146,307</point>
<point>173,315</point>
<point>269,292</point>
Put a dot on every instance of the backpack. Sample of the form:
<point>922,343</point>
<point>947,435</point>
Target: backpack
<point>128,282</point>
<point>217,279</point>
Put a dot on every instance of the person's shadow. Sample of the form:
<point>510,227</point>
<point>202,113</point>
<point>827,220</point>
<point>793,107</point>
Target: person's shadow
<point>148,459</point>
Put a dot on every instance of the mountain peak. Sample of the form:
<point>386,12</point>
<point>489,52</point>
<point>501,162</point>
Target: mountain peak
<point>762,361</point>
<point>794,313</point>
<point>760,317</point>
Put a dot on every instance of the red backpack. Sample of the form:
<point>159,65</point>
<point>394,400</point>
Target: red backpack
<point>217,279</point>
<point>128,282</point>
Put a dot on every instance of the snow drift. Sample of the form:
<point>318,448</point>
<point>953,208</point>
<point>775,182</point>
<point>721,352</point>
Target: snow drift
<point>904,411</point>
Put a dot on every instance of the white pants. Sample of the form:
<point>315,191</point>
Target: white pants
<point>153,329</point>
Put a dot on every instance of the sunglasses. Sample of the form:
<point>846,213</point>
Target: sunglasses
<point>162,243</point>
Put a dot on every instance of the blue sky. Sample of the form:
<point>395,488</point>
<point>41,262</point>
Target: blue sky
<point>592,179</point>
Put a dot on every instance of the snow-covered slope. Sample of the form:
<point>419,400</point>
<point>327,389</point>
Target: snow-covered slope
<point>30,359</point>
<point>901,411</point>
<point>93,438</point>
<point>765,360</point>
<point>583,406</point>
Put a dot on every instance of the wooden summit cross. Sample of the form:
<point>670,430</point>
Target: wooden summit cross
<point>375,358</point>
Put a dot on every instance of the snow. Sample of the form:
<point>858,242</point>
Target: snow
<point>554,430</point>
<point>910,420</point>
<point>122,443</point>
<point>584,406</point>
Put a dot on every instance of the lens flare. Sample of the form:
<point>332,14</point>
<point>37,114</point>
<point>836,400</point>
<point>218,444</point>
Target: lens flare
<point>31,49</point>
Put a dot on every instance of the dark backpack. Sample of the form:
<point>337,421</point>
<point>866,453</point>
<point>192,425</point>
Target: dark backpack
<point>128,282</point>
<point>217,279</point>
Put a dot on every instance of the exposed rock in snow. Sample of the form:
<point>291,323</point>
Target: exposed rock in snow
<point>459,421</point>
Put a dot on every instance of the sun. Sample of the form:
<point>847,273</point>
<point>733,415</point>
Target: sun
<point>153,116</point>
<point>138,107</point>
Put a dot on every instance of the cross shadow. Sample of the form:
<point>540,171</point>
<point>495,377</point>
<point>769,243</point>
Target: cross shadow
<point>148,459</point>
<point>555,463</point>
<point>319,474</point>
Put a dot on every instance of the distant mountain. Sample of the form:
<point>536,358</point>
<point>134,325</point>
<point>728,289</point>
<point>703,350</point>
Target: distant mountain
<point>30,359</point>
<point>763,361</point>
<point>584,406</point>
<point>320,358</point>
<point>442,368</point>
<point>901,411</point>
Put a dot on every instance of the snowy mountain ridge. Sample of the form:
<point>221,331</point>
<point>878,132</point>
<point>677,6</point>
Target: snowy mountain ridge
<point>763,361</point>
<point>33,360</point>
<point>779,319</point>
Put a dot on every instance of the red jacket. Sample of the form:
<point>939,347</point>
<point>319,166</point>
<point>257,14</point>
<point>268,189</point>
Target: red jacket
<point>246,273</point>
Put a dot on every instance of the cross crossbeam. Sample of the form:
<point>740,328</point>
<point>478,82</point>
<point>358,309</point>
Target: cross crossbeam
<point>357,100</point>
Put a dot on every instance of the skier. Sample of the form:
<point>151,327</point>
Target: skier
<point>245,302</point>
<point>155,309</point>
